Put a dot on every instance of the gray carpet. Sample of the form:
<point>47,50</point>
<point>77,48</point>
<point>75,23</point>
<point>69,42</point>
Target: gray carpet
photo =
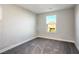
<point>44,46</point>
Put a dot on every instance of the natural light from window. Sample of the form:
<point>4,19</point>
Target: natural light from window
<point>51,23</point>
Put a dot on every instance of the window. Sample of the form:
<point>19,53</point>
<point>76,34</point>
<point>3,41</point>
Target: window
<point>51,23</point>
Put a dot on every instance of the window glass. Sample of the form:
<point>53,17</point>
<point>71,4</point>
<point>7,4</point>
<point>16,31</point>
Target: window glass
<point>51,23</point>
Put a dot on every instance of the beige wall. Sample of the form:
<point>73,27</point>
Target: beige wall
<point>18,25</point>
<point>65,25</point>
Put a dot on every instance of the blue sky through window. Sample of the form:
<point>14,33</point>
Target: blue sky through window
<point>51,19</point>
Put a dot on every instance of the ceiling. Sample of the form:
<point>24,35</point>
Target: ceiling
<point>42,8</point>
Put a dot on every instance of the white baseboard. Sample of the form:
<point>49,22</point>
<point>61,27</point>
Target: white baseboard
<point>12,46</point>
<point>59,39</point>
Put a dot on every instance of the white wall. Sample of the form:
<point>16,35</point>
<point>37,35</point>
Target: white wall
<point>65,25</point>
<point>77,25</point>
<point>18,25</point>
<point>0,24</point>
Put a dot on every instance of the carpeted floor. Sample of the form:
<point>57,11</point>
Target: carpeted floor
<point>44,46</point>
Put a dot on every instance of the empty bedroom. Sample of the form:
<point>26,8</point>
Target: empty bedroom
<point>39,29</point>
